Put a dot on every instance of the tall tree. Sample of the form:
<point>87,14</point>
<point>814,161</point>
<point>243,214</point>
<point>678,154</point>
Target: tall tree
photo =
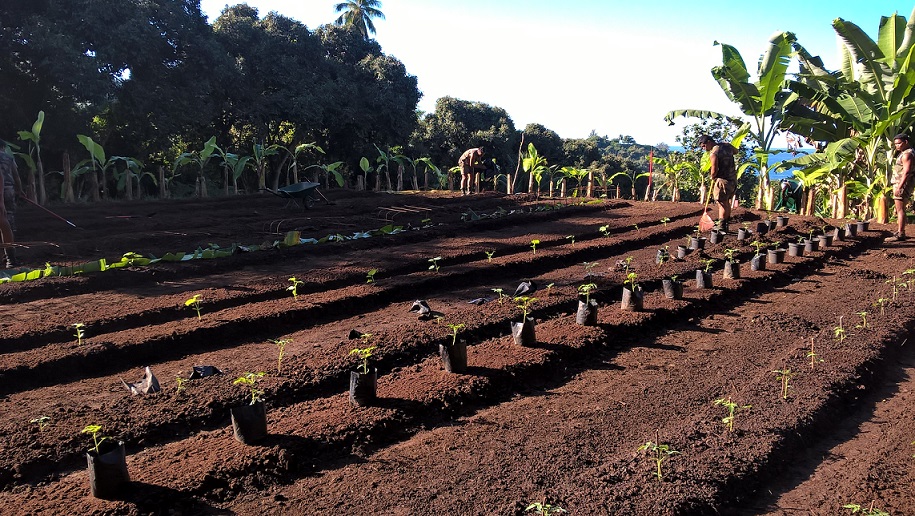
<point>358,14</point>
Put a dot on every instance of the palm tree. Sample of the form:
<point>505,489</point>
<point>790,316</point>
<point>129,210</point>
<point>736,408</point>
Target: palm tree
<point>358,14</point>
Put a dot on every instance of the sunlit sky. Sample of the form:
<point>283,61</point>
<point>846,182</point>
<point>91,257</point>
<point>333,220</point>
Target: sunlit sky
<point>615,67</point>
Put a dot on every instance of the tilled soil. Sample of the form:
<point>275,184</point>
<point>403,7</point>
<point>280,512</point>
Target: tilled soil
<point>560,422</point>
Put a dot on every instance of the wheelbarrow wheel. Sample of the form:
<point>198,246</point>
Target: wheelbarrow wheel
<point>309,201</point>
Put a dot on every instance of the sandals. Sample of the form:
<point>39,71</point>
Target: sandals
<point>896,238</point>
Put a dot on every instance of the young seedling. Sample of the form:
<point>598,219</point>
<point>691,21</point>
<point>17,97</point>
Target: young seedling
<point>364,353</point>
<point>249,380</point>
<point>631,280</point>
<point>863,324</point>
<point>881,303</point>
<point>294,288</point>
<point>665,220</point>
<point>729,255</point>
<point>194,302</point>
<point>624,265</point>
<point>571,238</point>
<point>93,430</point>
<point>455,328</point>
<point>544,509</point>
<point>489,255</point>
<point>605,229</point>
<point>659,453</point>
<point>759,245</point>
<point>732,408</point>
<point>663,255</point>
<point>549,289</point>
<point>585,290</point>
<point>534,244</point>
<point>745,226</point>
<point>501,295</point>
<point>895,287</point>
<point>524,304</point>
<point>589,266</point>
<point>370,276</point>
<point>41,421</point>
<point>179,384</point>
<point>865,511</point>
<point>434,262</point>
<point>839,331</point>
<point>80,333</point>
<point>635,227</point>
<point>708,264</point>
<point>813,356</point>
<point>281,348</point>
<point>784,376</point>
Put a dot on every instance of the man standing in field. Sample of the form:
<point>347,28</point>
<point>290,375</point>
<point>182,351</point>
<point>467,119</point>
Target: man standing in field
<point>724,176</point>
<point>469,161</point>
<point>903,183</point>
<point>9,185</point>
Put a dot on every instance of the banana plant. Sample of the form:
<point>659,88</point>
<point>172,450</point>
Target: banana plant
<point>260,153</point>
<point>871,97</point>
<point>233,167</point>
<point>764,101</point>
<point>675,170</point>
<point>99,164</point>
<point>131,173</point>
<point>199,158</point>
<point>384,161</point>
<point>36,167</point>
<point>535,165</point>
<point>332,169</point>
<point>440,177</point>
<point>294,158</point>
<point>578,174</point>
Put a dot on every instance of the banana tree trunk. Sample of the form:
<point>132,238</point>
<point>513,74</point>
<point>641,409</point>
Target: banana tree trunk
<point>163,186</point>
<point>590,184</point>
<point>399,178</point>
<point>415,180</point>
<point>68,178</point>
<point>881,211</point>
<point>42,195</point>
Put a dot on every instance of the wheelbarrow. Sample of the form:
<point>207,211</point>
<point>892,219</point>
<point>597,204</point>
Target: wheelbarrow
<point>305,192</point>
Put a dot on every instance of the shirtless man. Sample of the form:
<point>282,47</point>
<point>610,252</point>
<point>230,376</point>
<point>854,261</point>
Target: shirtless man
<point>903,183</point>
<point>724,176</point>
<point>469,161</point>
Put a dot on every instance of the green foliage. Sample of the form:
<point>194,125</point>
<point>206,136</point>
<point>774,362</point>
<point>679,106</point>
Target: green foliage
<point>294,288</point>
<point>544,509</point>
<point>534,244</point>
<point>94,430</point>
<point>370,275</point>
<point>281,351</point>
<point>41,422</point>
<point>733,408</point>
<point>586,290</point>
<point>435,265</point>
<point>784,376</point>
<point>632,281</point>
<point>194,302</point>
<point>501,294</point>
<point>80,333</point>
<point>455,328</point>
<point>364,353</point>
<point>489,255</point>
<point>249,381</point>
<point>865,511</point>
<point>571,238</point>
<point>524,304</point>
<point>659,453</point>
<point>179,384</point>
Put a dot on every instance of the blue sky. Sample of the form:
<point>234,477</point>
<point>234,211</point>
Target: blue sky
<point>616,67</point>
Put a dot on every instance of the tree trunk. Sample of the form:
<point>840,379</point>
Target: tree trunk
<point>842,201</point>
<point>881,213</point>
<point>128,184</point>
<point>68,178</point>
<point>399,178</point>
<point>590,191</point>
<point>377,181</point>
<point>415,180</point>
<point>93,184</point>
<point>163,186</point>
<point>425,179</point>
<point>42,194</point>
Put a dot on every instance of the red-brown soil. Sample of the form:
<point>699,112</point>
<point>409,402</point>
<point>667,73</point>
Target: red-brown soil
<point>559,422</point>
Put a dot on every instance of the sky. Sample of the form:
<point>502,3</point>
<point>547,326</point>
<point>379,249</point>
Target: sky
<point>612,66</point>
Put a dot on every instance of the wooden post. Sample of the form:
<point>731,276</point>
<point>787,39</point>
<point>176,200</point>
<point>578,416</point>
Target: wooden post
<point>163,190</point>
<point>590,192</point>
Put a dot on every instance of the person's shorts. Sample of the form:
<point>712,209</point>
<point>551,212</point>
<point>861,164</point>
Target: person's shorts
<point>466,170</point>
<point>905,192</point>
<point>723,190</point>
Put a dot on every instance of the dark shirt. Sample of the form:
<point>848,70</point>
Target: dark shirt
<point>727,169</point>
